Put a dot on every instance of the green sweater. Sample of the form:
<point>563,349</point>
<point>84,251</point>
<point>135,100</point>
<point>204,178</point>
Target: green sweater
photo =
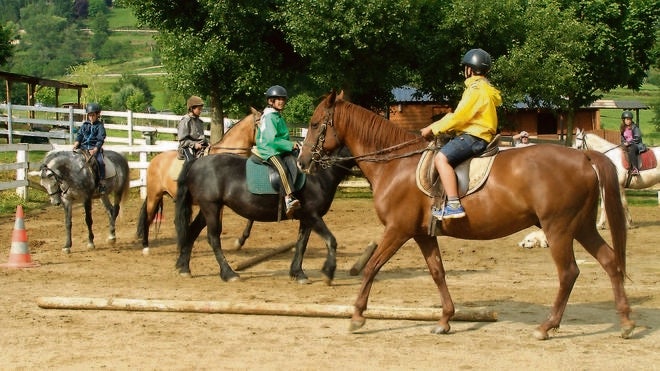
<point>272,135</point>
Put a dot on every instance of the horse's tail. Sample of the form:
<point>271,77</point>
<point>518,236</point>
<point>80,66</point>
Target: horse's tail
<point>183,207</point>
<point>142,220</point>
<point>610,191</point>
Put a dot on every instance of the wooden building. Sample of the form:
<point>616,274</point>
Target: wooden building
<point>413,111</point>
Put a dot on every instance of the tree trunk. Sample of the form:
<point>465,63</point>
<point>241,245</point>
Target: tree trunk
<point>217,122</point>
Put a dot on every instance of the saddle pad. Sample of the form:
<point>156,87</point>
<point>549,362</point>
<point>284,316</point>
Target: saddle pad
<point>478,169</point>
<point>647,158</point>
<point>110,169</point>
<point>175,168</point>
<point>258,179</point>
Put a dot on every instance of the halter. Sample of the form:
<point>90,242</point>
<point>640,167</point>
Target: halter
<point>321,156</point>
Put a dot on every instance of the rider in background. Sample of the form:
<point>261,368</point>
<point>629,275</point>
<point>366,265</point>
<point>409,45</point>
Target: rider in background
<point>472,126</point>
<point>190,131</point>
<point>631,139</point>
<point>273,142</point>
<point>91,136</point>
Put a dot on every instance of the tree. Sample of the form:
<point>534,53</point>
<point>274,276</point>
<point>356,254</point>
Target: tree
<point>226,51</point>
<point>88,74</point>
<point>6,48</point>
<point>49,45</point>
<point>361,47</point>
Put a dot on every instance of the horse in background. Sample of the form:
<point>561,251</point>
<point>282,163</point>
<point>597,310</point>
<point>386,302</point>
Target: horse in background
<point>505,203</point>
<point>239,140</point>
<point>207,184</point>
<point>648,176</point>
<point>69,178</point>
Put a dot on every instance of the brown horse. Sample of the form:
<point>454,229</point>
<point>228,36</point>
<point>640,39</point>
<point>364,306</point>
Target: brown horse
<point>563,199</point>
<point>239,139</point>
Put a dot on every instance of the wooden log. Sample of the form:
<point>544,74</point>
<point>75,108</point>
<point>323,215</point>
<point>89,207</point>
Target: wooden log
<point>258,259</point>
<point>261,308</point>
<point>363,259</point>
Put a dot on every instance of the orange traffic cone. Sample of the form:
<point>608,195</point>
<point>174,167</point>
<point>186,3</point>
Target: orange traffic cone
<point>19,256</point>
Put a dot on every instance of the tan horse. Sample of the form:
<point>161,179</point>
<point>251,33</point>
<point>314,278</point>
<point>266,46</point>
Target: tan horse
<point>563,199</point>
<point>239,140</point>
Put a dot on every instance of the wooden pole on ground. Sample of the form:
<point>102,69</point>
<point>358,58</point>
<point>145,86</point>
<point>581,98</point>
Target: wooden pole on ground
<point>262,308</point>
<point>258,259</point>
<point>363,259</point>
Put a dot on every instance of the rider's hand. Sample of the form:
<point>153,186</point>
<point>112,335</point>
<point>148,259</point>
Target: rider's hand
<point>427,132</point>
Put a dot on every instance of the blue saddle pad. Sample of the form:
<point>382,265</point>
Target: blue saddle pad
<point>257,176</point>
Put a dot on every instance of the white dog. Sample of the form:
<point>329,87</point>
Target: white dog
<point>534,239</point>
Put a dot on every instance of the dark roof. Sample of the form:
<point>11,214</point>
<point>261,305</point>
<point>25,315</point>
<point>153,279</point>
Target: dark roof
<point>618,104</point>
<point>14,77</point>
<point>409,94</point>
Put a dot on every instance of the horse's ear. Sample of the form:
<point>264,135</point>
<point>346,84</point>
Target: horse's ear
<point>340,95</point>
<point>330,99</point>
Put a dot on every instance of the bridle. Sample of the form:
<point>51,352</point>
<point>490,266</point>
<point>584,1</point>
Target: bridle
<point>321,156</point>
<point>583,145</point>
<point>48,172</point>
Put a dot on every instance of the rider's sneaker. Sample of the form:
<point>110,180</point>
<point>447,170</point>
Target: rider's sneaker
<point>453,211</point>
<point>292,204</point>
<point>437,213</point>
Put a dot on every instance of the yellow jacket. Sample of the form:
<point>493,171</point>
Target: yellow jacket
<point>475,113</point>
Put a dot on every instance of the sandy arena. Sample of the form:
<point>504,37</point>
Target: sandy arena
<point>519,284</point>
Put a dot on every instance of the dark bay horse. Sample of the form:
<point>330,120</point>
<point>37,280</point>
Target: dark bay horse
<point>208,184</point>
<point>562,199</point>
<point>69,179</point>
<point>239,139</point>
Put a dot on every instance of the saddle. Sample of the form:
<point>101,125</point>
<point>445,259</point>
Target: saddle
<point>471,174</point>
<point>92,163</point>
<point>646,159</point>
<point>262,178</point>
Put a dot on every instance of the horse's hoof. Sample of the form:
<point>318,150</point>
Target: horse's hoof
<point>356,325</point>
<point>541,334</point>
<point>234,279</point>
<point>145,251</point>
<point>185,274</point>
<point>327,281</point>
<point>66,250</point>
<point>441,329</point>
<point>90,246</point>
<point>237,244</point>
<point>112,240</point>
<point>626,332</point>
<point>301,279</point>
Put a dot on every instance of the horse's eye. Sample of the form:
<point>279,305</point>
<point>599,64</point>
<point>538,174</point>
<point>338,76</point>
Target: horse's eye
<point>314,125</point>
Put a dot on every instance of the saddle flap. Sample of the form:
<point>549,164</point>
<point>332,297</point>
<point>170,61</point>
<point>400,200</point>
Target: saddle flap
<point>262,178</point>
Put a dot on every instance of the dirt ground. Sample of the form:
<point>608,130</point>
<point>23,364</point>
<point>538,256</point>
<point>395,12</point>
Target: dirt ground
<point>519,284</point>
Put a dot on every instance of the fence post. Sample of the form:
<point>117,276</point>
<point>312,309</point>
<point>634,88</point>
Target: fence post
<point>130,127</point>
<point>143,176</point>
<point>10,136</point>
<point>21,172</point>
<point>71,124</point>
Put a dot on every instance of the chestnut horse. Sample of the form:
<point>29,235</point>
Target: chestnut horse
<point>239,140</point>
<point>563,199</point>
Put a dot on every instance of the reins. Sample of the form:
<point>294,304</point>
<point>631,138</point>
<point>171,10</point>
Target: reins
<point>325,160</point>
<point>586,146</point>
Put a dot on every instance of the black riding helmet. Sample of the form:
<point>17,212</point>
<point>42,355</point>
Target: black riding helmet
<point>626,115</point>
<point>93,107</point>
<point>276,91</point>
<point>478,59</point>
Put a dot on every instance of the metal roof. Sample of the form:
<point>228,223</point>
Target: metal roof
<point>618,104</point>
<point>409,94</point>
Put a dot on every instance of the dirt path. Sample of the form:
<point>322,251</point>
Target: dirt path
<point>519,284</point>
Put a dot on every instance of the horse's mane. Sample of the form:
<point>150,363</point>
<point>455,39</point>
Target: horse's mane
<point>383,132</point>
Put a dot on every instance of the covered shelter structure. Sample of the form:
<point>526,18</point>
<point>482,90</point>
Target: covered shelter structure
<point>35,83</point>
